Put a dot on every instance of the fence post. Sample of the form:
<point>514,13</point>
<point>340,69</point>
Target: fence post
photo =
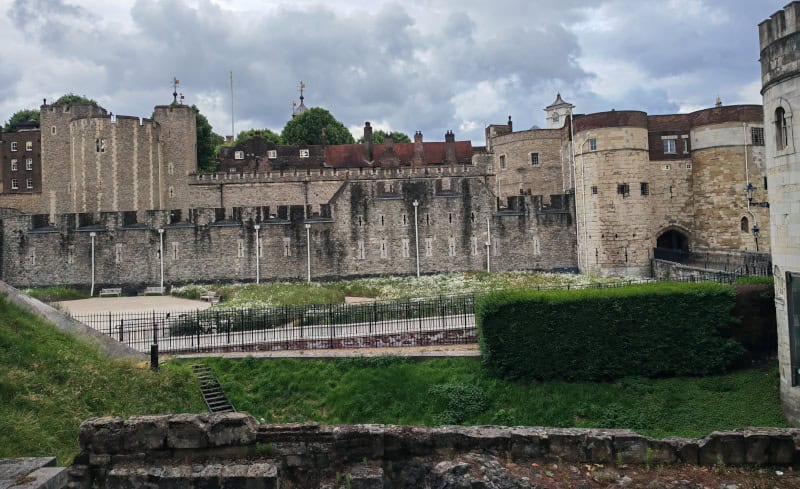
<point>121,339</point>
<point>332,326</point>
<point>109,323</point>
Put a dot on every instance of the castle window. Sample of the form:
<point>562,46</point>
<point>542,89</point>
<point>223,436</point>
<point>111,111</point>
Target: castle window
<point>240,249</point>
<point>361,250</point>
<point>406,247</point>
<point>32,258</point>
<point>14,184</point>
<point>118,253</point>
<point>428,246</point>
<point>384,249</point>
<point>534,159</point>
<point>174,250</point>
<point>171,192</point>
<point>287,246</point>
<point>405,220</point>
<point>53,130</point>
<point>502,162</point>
<point>781,129</point>
<point>14,165</point>
<point>238,155</point>
<point>474,245</point>
<point>757,133</point>
<point>232,170</point>
<point>170,168</point>
<point>382,221</point>
<point>537,247</point>
<point>29,164</point>
<point>685,143</point>
<point>765,183</point>
<point>303,153</point>
<point>360,221</point>
<point>644,187</point>
<point>28,145</point>
<point>70,254</point>
<point>623,189</point>
<point>666,167</point>
<point>669,146</point>
<point>272,154</point>
<point>29,183</point>
<point>594,189</point>
<point>745,225</point>
<point>593,144</point>
<point>13,145</point>
<point>451,245</point>
<point>555,117</point>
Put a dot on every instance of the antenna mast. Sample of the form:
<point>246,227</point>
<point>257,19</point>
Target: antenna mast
<point>233,131</point>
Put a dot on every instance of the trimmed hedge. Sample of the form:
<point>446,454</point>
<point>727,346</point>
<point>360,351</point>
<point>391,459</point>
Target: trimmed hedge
<point>651,330</point>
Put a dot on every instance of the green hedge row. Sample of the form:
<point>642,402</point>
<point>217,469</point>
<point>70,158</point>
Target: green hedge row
<point>650,330</point>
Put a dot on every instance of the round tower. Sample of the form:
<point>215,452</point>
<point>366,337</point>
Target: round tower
<point>780,79</point>
<point>613,208</point>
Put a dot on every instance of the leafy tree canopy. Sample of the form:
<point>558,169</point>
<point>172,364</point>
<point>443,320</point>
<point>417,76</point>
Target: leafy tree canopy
<point>207,142</point>
<point>306,128</point>
<point>72,99</point>
<point>19,117</point>
<point>249,134</point>
<point>379,137</point>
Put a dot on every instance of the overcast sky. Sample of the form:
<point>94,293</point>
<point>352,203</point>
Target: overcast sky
<point>428,65</point>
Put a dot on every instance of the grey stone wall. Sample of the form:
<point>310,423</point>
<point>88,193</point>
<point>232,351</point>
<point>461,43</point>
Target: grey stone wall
<point>161,451</point>
<point>367,228</point>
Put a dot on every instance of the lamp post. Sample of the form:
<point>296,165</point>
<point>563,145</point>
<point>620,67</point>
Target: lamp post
<point>258,254</point>
<point>416,233</point>
<point>161,255</point>
<point>755,235</point>
<point>488,246</point>
<point>308,250</point>
<point>92,235</point>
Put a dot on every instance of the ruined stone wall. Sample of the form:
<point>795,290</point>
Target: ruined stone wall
<point>520,175</point>
<point>366,229</point>
<point>780,75</point>
<point>233,450</point>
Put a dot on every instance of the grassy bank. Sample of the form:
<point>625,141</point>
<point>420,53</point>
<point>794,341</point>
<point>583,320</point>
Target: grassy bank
<point>50,383</point>
<point>389,390</point>
<point>287,294</point>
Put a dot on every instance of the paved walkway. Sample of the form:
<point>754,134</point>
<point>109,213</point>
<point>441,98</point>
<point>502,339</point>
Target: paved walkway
<point>147,303</point>
<point>444,351</point>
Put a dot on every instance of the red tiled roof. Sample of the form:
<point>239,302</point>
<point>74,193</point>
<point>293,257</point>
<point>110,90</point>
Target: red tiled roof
<point>354,155</point>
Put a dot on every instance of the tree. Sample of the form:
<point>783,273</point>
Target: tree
<point>379,137</point>
<point>207,142</point>
<point>72,99</point>
<point>306,128</point>
<point>249,134</point>
<point>19,117</point>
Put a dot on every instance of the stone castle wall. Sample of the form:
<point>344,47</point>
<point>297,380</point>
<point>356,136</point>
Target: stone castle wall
<point>233,450</point>
<point>520,175</point>
<point>367,228</point>
<point>780,74</point>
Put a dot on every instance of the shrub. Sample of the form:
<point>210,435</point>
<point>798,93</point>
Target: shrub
<point>651,330</point>
<point>755,280</point>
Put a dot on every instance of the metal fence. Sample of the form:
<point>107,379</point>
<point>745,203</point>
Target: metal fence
<point>439,321</point>
<point>739,263</point>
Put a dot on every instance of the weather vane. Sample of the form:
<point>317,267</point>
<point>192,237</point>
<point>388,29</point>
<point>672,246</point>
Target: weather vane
<point>175,83</point>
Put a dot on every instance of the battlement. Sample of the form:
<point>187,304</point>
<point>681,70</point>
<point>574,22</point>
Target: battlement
<point>780,46</point>
<point>337,174</point>
<point>129,120</point>
<point>781,24</point>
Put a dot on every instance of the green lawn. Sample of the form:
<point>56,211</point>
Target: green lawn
<point>396,391</point>
<point>50,383</point>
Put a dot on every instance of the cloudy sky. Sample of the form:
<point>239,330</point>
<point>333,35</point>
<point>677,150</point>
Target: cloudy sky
<point>428,65</point>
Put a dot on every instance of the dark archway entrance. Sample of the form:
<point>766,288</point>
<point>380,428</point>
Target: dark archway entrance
<point>673,240</point>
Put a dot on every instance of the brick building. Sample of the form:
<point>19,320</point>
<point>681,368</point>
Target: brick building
<point>21,156</point>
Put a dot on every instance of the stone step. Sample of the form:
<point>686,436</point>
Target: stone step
<point>43,478</point>
<point>250,475</point>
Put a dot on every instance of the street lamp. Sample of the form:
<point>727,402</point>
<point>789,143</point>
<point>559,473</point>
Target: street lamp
<point>749,191</point>
<point>92,235</point>
<point>258,254</point>
<point>161,255</point>
<point>488,246</point>
<point>755,235</point>
<point>416,233</point>
<point>308,250</point>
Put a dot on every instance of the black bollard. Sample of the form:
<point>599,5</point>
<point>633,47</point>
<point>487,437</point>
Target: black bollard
<point>154,358</point>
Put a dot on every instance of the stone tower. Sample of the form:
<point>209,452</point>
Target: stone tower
<point>557,113</point>
<point>780,78</point>
<point>177,154</point>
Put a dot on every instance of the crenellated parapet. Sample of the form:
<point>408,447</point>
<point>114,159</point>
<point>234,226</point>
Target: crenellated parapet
<point>779,38</point>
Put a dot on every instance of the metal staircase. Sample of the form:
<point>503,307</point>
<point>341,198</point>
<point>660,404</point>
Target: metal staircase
<point>215,399</point>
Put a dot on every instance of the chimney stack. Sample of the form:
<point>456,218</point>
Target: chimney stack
<point>450,148</point>
<point>510,125</point>
<point>419,153</point>
<point>368,141</point>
